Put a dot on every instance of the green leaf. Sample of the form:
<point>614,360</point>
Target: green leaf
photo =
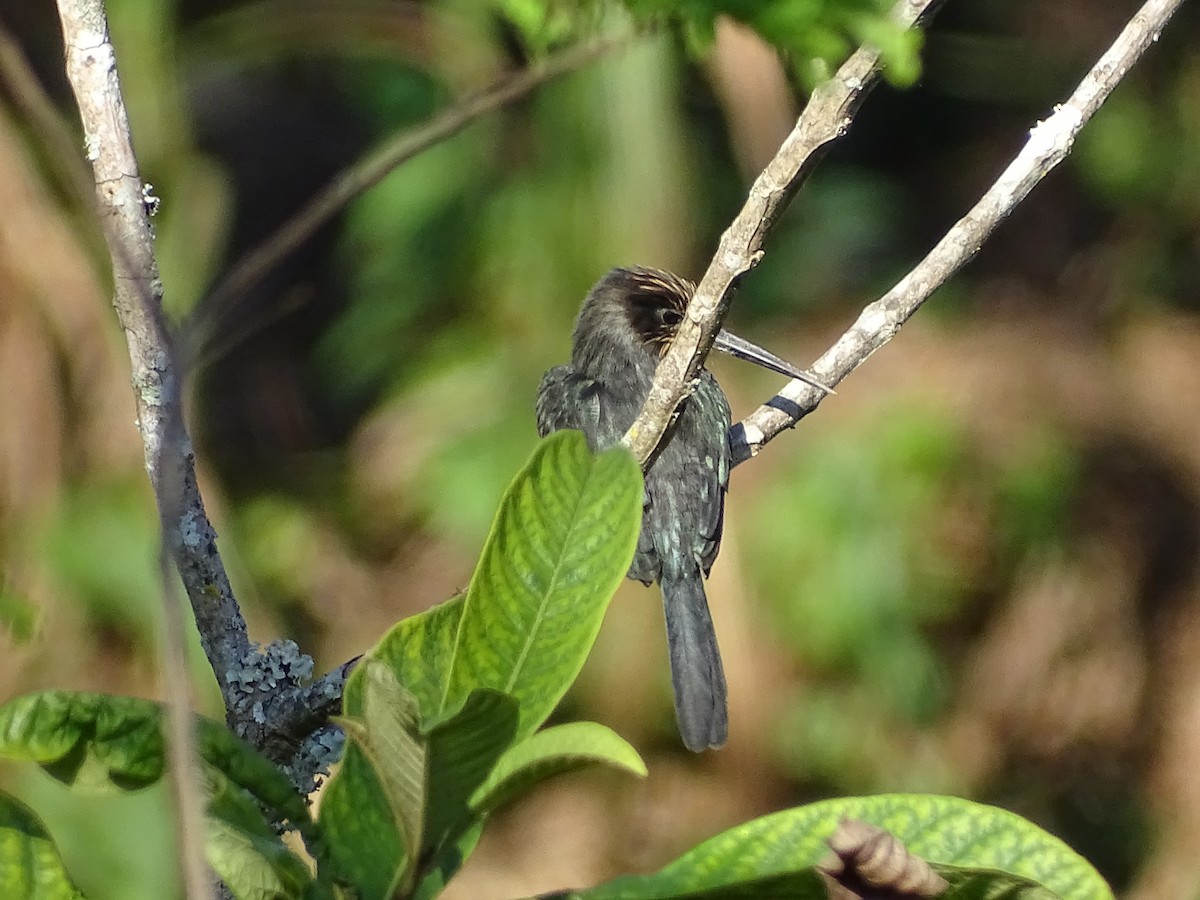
<point>366,840</point>
<point>808,884</point>
<point>944,830</point>
<point>389,737</point>
<point>86,740</point>
<point>100,742</point>
<point>252,772</point>
<point>545,754</point>
<point>463,751</point>
<point>418,651</point>
<point>973,884</point>
<point>559,547</point>
<point>424,780</point>
<point>363,840</point>
<point>244,850</point>
<point>233,763</point>
<point>447,862</point>
<point>30,866</point>
<point>561,543</point>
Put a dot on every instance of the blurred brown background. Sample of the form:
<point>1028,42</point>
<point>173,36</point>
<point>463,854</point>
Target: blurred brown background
<point>972,571</point>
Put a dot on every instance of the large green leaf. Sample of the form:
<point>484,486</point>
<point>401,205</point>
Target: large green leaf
<point>462,752</point>
<point>30,867</point>
<point>562,748</point>
<point>944,830</point>
<point>389,736</point>
<point>420,782</point>
<point>559,546</point>
<point>418,650</point>
<point>446,863</point>
<point>561,543</point>
<point>808,884</point>
<point>363,839</point>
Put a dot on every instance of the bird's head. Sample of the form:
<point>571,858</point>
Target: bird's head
<point>639,310</point>
<point>652,302</point>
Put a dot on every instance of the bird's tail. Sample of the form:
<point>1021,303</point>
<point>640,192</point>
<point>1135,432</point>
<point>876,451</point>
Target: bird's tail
<point>696,671</point>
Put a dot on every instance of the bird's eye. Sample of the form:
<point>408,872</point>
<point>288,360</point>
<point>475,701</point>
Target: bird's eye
<point>671,317</point>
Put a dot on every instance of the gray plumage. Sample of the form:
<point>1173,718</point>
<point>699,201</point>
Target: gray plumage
<point>626,321</point>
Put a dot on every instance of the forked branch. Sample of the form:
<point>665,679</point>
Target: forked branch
<point>1049,143</point>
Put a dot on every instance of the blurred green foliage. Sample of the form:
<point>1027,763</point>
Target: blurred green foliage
<point>132,862</point>
<point>865,568</point>
<point>1137,151</point>
<point>466,265</point>
<point>278,536</point>
<point>815,35</point>
<point>842,238</point>
<point>895,526</point>
<point>104,547</point>
<point>18,617</point>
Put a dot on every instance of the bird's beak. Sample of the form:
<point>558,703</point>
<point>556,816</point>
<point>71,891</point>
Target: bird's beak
<point>743,349</point>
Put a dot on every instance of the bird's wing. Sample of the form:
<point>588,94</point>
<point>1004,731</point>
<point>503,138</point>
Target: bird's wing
<point>566,399</point>
<point>713,489</point>
<point>646,566</point>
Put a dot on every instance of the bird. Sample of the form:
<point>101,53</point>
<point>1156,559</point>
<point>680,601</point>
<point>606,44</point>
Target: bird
<point>626,323</point>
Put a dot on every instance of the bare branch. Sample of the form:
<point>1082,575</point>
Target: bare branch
<point>1049,143</point>
<point>137,293</point>
<point>137,297</point>
<point>377,165</point>
<point>826,118</point>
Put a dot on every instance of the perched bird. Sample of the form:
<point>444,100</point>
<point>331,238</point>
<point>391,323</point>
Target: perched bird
<point>627,321</point>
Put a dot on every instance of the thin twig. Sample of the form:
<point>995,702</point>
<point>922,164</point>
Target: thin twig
<point>826,118</point>
<point>92,71</point>
<point>257,263</point>
<point>1049,143</point>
